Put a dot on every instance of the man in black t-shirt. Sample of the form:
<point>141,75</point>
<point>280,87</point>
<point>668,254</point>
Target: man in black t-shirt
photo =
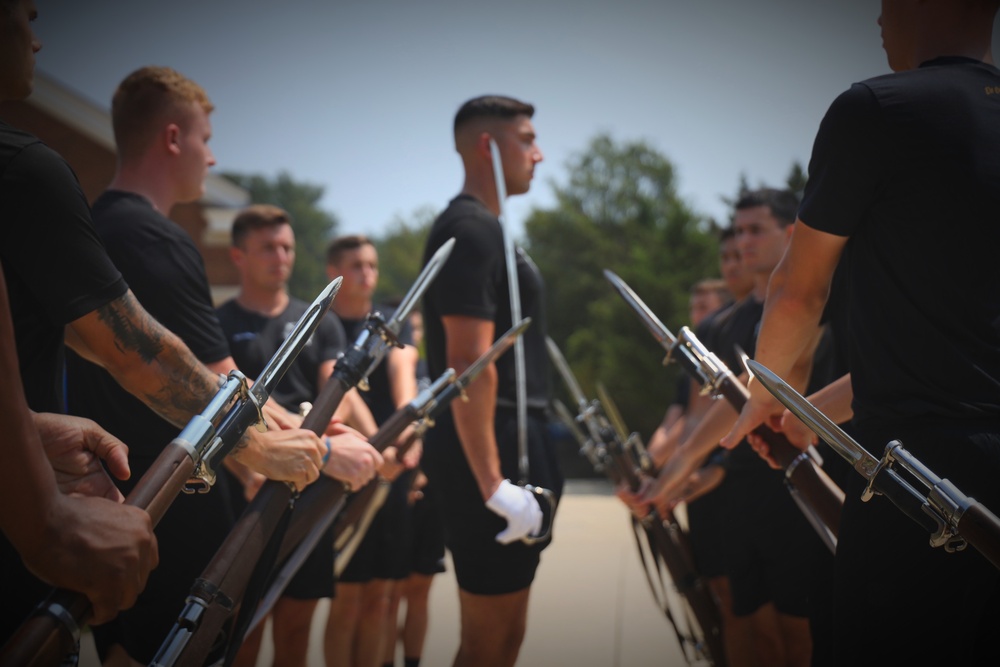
<point>357,627</point>
<point>471,453</point>
<point>161,125</point>
<point>904,182</point>
<point>60,281</point>
<point>255,324</point>
<point>770,548</point>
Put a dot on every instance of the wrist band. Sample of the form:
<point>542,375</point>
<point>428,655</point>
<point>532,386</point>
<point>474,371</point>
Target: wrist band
<point>326,457</point>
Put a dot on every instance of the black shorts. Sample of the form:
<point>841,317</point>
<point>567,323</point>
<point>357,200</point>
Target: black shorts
<point>427,543</point>
<point>384,550</point>
<point>897,597</point>
<point>482,565</point>
<point>314,579</point>
<point>706,533</point>
<point>770,547</point>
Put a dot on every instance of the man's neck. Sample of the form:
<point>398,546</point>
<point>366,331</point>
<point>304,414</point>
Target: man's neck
<point>265,302</point>
<point>152,187</point>
<point>759,291</point>
<point>482,188</point>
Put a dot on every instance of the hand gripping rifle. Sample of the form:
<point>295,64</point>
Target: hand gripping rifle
<point>250,546</point>
<point>622,458</point>
<point>818,496</point>
<point>424,409</point>
<point>193,635</point>
<point>520,379</point>
<point>187,464</point>
<point>953,519</point>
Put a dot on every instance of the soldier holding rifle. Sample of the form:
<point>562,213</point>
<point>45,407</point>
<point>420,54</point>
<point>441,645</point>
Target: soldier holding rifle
<point>770,549</point>
<point>162,129</point>
<point>904,182</point>
<point>471,454</point>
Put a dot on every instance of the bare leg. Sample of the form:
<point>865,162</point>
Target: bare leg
<point>392,623</point>
<point>291,621</point>
<point>417,590</point>
<point>797,639</point>
<point>370,633</point>
<point>493,628</point>
<point>345,609</point>
<point>768,645</point>
<point>736,630</point>
<point>247,655</point>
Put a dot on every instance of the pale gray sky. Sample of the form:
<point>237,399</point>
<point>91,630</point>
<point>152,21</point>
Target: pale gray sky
<point>358,96</point>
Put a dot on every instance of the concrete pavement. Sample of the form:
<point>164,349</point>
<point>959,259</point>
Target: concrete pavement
<point>590,604</point>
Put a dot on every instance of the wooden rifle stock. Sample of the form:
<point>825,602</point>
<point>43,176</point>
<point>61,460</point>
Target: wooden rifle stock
<point>674,547</point>
<point>46,639</point>
<point>224,580</point>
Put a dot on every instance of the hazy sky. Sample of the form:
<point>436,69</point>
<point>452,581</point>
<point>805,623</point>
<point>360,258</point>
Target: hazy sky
<point>358,97</point>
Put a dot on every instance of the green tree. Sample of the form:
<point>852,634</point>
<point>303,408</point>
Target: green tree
<point>619,210</point>
<point>314,227</point>
<point>400,251</point>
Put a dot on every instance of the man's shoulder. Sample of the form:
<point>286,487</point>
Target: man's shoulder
<point>465,215</point>
<point>25,153</point>
<point>128,218</point>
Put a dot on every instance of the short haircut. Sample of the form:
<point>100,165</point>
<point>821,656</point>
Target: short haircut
<point>142,100</point>
<point>784,205</point>
<point>254,217</point>
<point>497,107</point>
<point>338,246</point>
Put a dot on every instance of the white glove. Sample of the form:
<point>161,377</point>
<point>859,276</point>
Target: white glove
<point>519,507</point>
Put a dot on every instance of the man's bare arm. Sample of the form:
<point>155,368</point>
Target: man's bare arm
<point>796,295</point>
<point>467,339</point>
<point>147,359</point>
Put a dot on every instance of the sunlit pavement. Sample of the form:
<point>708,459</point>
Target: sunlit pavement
<point>590,604</point>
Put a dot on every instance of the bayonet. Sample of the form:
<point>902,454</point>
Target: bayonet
<point>952,518</point>
<point>819,498</point>
<point>660,537</point>
<point>306,527</point>
<point>187,463</point>
<point>510,259</point>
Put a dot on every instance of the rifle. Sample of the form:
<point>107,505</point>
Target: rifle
<point>216,594</point>
<point>210,603</point>
<point>622,458</point>
<point>953,519</point>
<point>188,464</point>
<point>818,496</point>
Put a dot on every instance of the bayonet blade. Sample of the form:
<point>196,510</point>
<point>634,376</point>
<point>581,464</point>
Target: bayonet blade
<point>859,458</point>
<point>285,356</point>
<point>501,345</point>
<point>660,332</point>
<point>612,413</point>
<point>567,375</point>
<point>419,286</point>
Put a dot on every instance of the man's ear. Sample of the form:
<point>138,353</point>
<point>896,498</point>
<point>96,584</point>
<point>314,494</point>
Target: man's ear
<point>236,255</point>
<point>171,137</point>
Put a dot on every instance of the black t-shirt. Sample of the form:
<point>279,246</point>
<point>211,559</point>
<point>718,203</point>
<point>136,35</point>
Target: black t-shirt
<point>908,166</point>
<point>379,394</point>
<point>474,283</point>
<point>56,268</point>
<point>167,275</point>
<point>254,338</point>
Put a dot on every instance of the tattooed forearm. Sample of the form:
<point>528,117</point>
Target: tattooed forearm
<point>168,377</point>
<point>134,330</point>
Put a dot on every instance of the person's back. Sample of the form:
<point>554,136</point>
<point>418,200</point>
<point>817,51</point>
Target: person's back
<point>924,238</point>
